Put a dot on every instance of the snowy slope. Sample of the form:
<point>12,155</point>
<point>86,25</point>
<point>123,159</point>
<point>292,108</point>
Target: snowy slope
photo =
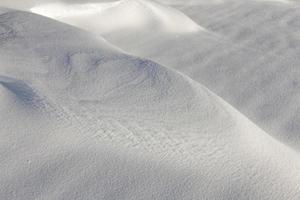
<point>135,15</point>
<point>247,55</point>
<point>263,70</point>
<point>82,120</point>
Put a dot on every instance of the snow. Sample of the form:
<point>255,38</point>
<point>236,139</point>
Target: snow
<point>115,16</point>
<point>237,44</point>
<point>83,119</point>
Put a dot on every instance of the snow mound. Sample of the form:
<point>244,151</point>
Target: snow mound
<point>116,16</point>
<point>122,127</point>
<point>235,48</point>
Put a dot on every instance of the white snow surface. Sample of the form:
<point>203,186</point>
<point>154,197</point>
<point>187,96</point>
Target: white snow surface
<point>247,54</point>
<point>116,16</point>
<point>82,119</point>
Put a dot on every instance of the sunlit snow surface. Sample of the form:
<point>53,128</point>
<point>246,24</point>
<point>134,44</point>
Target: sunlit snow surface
<point>121,14</point>
<point>117,101</point>
<point>61,10</point>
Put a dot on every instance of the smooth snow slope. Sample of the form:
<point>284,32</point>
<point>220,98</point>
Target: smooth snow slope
<point>248,56</point>
<point>81,120</point>
<point>262,74</point>
<point>116,16</point>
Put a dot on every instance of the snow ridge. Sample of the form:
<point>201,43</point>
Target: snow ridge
<point>135,14</point>
<point>123,127</point>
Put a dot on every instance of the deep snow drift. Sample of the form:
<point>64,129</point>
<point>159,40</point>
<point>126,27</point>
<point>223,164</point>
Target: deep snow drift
<point>82,120</point>
<point>247,53</point>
